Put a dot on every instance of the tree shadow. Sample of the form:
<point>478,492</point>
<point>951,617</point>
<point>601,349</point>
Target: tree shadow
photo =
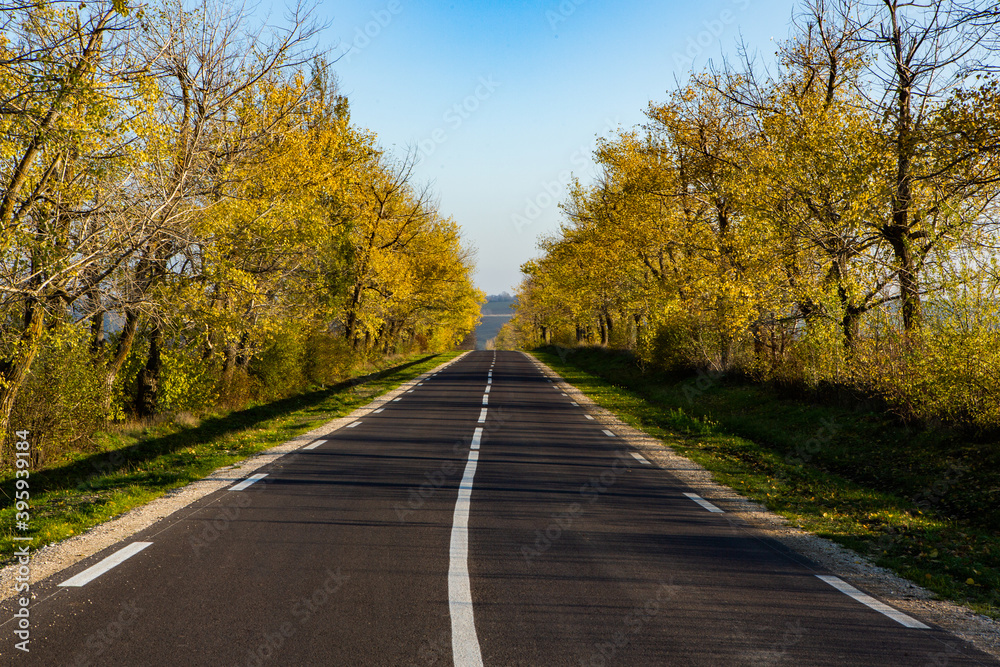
<point>87,472</point>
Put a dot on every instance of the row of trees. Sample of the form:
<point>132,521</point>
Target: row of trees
<point>186,209</point>
<point>832,219</point>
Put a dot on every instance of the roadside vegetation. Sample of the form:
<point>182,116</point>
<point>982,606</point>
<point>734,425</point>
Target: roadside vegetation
<point>190,224</point>
<point>828,221</point>
<point>911,499</point>
<point>135,462</point>
<point>793,272</point>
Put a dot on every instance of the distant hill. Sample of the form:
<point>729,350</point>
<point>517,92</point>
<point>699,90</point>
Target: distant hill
<point>499,307</point>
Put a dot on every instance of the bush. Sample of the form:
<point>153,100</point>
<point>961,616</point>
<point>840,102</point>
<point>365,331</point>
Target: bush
<point>61,402</point>
<point>187,382</point>
<point>279,367</point>
<point>328,359</point>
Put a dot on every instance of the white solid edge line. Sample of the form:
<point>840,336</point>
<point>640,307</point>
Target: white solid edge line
<point>588,416</point>
<point>248,481</point>
<point>477,437</point>
<point>464,642</point>
<point>353,424</point>
<point>96,570</point>
<point>704,503</point>
<point>640,458</point>
<point>482,415</point>
<point>608,433</point>
<point>314,444</point>
<point>869,601</point>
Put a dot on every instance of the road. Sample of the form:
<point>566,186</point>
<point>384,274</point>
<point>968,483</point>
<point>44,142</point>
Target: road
<point>481,518</point>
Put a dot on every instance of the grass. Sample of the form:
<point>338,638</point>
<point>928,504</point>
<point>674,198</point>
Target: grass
<point>921,502</point>
<point>137,464</point>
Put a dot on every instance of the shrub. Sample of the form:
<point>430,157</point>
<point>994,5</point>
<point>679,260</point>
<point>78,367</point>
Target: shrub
<point>61,402</point>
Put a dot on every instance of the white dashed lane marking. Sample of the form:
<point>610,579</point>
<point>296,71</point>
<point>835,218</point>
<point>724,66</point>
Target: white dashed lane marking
<point>871,602</point>
<point>96,570</point>
<point>704,503</point>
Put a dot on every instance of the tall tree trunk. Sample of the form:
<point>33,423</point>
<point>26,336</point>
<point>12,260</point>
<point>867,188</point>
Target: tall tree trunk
<point>899,233</point>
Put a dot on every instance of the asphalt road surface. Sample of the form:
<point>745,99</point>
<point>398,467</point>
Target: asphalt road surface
<point>481,518</point>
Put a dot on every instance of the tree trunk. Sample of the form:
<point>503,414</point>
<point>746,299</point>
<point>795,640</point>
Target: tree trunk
<point>125,340</point>
<point>148,389</point>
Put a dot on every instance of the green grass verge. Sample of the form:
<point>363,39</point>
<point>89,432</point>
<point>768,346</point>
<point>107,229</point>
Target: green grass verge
<point>921,502</point>
<point>136,465</point>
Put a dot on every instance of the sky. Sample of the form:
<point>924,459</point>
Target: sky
<point>504,101</point>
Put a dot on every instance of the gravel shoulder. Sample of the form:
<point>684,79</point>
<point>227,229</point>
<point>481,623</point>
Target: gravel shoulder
<point>980,631</point>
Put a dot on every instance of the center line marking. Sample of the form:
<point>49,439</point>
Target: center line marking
<point>487,388</point>
<point>482,415</point>
<point>248,481</point>
<point>704,503</point>
<point>641,459</point>
<point>608,433</point>
<point>486,399</point>
<point>96,570</point>
<point>477,437</point>
<point>464,642</point>
<point>353,424</point>
<point>869,601</point>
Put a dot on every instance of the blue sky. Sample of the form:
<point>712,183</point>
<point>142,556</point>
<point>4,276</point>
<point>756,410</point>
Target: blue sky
<point>504,99</point>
